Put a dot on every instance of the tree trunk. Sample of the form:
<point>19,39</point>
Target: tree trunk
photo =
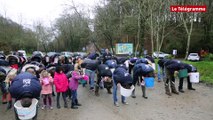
<point>152,31</point>
<point>189,38</point>
<point>139,28</point>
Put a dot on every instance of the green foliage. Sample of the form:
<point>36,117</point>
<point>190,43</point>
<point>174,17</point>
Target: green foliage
<point>73,32</point>
<point>209,57</point>
<point>13,36</point>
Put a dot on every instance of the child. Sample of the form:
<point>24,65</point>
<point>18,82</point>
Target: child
<point>61,85</point>
<point>46,92</point>
<point>10,76</point>
<point>73,85</point>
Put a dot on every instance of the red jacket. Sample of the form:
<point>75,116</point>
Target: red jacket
<point>61,82</point>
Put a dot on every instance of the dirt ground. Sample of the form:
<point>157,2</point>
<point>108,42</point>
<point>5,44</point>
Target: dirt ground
<point>191,105</point>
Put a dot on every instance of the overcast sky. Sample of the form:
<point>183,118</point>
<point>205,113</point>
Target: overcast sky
<point>27,12</point>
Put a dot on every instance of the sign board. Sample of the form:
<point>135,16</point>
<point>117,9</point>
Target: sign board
<point>145,52</point>
<point>174,52</point>
<point>124,48</point>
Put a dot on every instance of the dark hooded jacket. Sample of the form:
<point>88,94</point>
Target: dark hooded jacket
<point>111,63</point>
<point>25,85</point>
<point>104,70</point>
<point>122,76</point>
<point>142,69</point>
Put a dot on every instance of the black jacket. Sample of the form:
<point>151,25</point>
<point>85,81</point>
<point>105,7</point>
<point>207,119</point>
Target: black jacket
<point>104,70</point>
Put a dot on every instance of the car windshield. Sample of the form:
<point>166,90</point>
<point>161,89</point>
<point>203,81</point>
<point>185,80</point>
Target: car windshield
<point>36,52</point>
<point>51,53</point>
<point>193,54</point>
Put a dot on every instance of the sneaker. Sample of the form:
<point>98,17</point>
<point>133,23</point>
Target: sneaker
<point>133,96</point>
<point>191,88</point>
<point>43,107</point>
<point>92,89</point>
<point>74,107</point>
<point>4,102</point>
<point>169,93</point>
<point>145,97</point>
<point>51,107</point>
<point>175,92</point>
<point>116,104</point>
<point>181,90</point>
<point>125,103</point>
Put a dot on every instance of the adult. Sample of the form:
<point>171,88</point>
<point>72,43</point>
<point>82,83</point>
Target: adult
<point>107,55</point>
<point>91,66</point>
<point>190,68</point>
<point>93,55</point>
<point>143,60</point>
<point>103,73</point>
<point>25,85</point>
<point>132,62</point>
<point>170,67</point>
<point>2,85</point>
<point>121,76</point>
<point>161,70</point>
<point>140,71</point>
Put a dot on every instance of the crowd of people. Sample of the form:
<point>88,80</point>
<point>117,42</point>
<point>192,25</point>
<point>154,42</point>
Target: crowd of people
<point>44,77</point>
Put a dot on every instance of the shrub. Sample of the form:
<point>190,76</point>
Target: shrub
<point>209,57</point>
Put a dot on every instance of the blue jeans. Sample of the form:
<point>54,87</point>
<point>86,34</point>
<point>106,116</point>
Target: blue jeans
<point>115,98</point>
<point>74,96</point>
<point>91,75</point>
<point>161,73</point>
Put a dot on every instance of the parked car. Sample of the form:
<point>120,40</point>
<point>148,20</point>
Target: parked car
<point>193,57</point>
<point>52,54</point>
<point>38,53</point>
<point>159,55</point>
<point>81,54</point>
<point>67,53</point>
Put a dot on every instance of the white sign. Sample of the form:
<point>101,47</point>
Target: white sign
<point>174,52</point>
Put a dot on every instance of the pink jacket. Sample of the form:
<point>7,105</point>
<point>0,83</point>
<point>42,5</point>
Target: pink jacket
<point>73,85</point>
<point>46,88</point>
<point>61,82</point>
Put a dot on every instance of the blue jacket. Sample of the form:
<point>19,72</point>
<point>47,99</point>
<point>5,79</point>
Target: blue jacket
<point>67,68</point>
<point>171,62</point>
<point>133,60</point>
<point>93,56</point>
<point>111,63</point>
<point>90,64</point>
<point>2,70</point>
<point>175,67</point>
<point>25,85</point>
<point>121,60</point>
<point>4,62</point>
<point>104,70</point>
<point>142,60</point>
<point>161,62</point>
<point>142,69</point>
<point>150,58</point>
<point>190,68</point>
<point>122,76</point>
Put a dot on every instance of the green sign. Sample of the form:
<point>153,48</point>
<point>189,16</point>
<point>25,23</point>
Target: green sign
<point>124,48</point>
